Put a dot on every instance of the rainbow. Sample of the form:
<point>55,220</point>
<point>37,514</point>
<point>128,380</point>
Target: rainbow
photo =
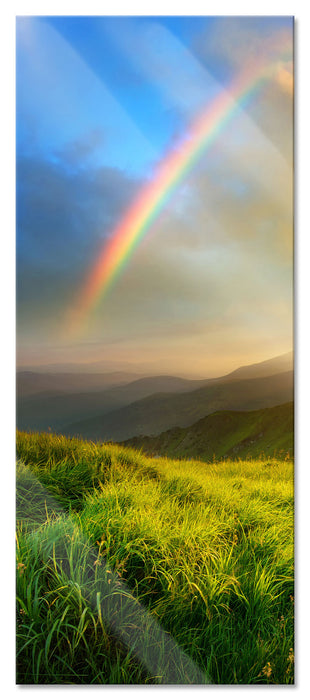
<point>117,251</point>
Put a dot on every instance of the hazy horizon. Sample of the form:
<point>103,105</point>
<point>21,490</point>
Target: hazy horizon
<point>101,368</point>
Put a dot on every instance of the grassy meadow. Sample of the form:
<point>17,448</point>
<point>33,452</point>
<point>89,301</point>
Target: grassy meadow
<point>136,570</point>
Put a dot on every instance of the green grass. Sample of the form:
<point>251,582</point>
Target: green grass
<point>207,549</point>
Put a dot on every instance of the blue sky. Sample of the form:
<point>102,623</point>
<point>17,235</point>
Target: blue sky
<point>119,93</point>
<point>100,101</point>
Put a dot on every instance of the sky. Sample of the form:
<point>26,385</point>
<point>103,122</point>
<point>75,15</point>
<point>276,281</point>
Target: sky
<point>101,104</point>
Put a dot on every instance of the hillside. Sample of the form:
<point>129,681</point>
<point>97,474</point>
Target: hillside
<point>115,550</point>
<point>154,414</point>
<point>276,365</point>
<point>229,434</point>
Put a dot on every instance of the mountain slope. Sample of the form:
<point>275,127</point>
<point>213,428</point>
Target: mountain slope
<point>154,414</point>
<point>238,434</point>
<point>53,409</point>
<point>276,365</point>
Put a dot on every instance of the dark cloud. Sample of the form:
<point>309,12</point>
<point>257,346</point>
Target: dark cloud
<point>79,151</point>
<point>63,216</point>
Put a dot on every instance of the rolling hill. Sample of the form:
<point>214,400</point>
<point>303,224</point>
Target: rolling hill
<point>88,402</point>
<point>231,434</point>
<point>154,414</point>
<point>53,408</point>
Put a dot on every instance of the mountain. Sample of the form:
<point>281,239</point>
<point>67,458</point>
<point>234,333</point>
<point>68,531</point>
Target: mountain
<point>281,363</point>
<point>64,401</point>
<point>233,434</point>
<point>55,407</point>
<point>30,383</point>
<point>131,371</point>
<point>154,414</point>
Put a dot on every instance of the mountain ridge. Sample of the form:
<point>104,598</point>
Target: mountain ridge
<point>66,401</point>
<point>154,414</point>
<point>226,434</point>
<point>52,408</point>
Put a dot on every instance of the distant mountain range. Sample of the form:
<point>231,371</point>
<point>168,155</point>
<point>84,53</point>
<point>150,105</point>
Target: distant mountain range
<point>118,406</point>
<point>158,412</point>
<point>233,434</point>
<point>43,403</point>
<point>29,383</point>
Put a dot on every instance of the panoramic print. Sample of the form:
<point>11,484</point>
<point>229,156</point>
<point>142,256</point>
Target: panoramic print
<point>154,316</point>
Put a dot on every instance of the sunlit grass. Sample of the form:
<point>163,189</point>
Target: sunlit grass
<point>206,548</point>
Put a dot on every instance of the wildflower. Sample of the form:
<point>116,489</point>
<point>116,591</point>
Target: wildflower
<point>21,568</point>
<point>291,657</point>
<point>267,670</point>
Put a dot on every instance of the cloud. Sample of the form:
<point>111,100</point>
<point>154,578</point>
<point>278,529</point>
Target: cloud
<point>63,217</point>
<point>234,44</point>
<point>245,40</point>
<point>78,152</point>
<point>200,279</point>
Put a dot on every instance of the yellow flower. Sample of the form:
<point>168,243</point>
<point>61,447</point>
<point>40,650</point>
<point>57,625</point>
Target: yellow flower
<point>291,657</point>
<point>267,670</point>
